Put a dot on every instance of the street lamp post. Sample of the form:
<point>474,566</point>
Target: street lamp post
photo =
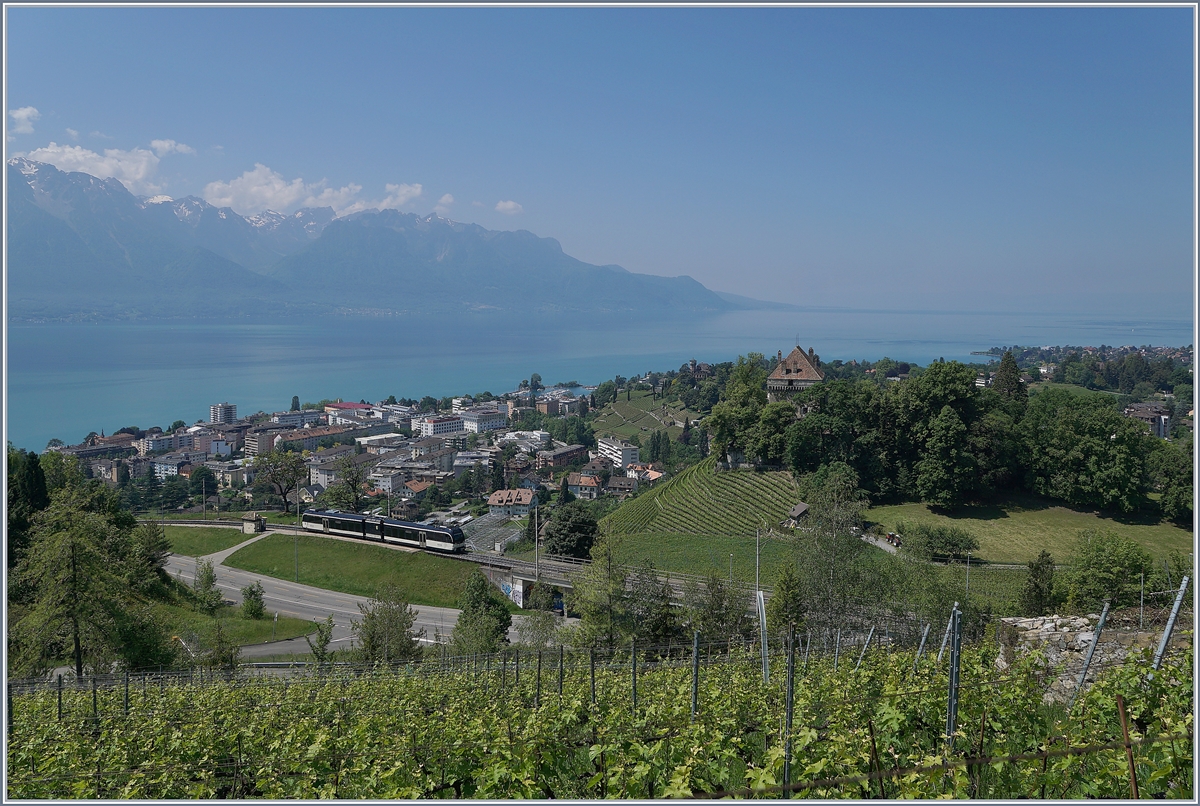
<point>968,590</point>
<point>731,569</point>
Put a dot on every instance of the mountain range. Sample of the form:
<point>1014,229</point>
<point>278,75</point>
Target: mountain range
<point>85,248</point>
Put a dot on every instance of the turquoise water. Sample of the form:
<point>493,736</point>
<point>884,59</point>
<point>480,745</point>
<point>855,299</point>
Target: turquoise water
<point>66,380</point>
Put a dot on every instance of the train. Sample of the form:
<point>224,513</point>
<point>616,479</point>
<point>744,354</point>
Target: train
<point>444,539</point>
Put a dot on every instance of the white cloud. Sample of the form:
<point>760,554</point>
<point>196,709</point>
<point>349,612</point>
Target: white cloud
<point>508,207</point>
<point>134,168</point>
<point>263,189</point>
<point>74,134</point>
<point>100,134</point>
<point>165,147</point>
<point>476,204</point>
<point>23,119</point>
<point>443,205</point>
<point>255,191</point>
<point>399,195</point>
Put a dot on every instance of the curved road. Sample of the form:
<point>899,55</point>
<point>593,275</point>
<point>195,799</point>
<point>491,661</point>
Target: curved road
<point>306,602</point>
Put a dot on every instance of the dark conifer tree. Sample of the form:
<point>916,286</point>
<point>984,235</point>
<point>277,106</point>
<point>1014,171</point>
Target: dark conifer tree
<point>1007,382</point>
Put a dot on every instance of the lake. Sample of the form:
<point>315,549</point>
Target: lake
<point>64,380</point>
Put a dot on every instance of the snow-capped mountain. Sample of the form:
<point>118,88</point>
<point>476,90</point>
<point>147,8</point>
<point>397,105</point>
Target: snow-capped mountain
<point>79,243</point>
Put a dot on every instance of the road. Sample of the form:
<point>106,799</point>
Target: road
<point>306,602</point>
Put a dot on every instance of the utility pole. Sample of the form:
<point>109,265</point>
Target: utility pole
<point>967,593</point>
<point>756,555</point>
<point>731,570</point>
<point>536,576</point>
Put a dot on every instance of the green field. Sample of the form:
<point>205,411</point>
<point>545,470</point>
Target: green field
<point>190,624</point>
<point>705,554</point>
<point>196,541</point>
<point>700,501</point>
<point>1072,388</point>
<point>642,413</point>
<point>1016,530</point>
<point>356,568</point>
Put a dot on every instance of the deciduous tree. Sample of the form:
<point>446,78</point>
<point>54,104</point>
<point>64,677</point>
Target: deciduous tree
<point>571,531</point>
<point>284,472</point>
<point>385,632</point>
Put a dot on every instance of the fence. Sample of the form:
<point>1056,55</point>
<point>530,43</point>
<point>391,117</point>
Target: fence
<point>531,680</point>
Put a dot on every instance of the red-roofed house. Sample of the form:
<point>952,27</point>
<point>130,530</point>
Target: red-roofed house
<point>585,487</point>
<point>510,502</point>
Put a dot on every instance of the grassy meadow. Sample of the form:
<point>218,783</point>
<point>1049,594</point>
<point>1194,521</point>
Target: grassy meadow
<point>356,568</point>
<point>196,541</point>
<point>1017,529</point>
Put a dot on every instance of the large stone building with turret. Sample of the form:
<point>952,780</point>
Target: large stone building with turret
<point>799,370</point>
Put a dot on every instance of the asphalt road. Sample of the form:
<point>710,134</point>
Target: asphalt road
<point>306,602</point>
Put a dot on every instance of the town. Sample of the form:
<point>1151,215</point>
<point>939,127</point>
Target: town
<point>402,450</point>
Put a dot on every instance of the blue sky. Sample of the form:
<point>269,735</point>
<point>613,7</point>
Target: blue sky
<point>972,159</point>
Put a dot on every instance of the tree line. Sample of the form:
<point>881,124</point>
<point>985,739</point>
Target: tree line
<point>937,438</point>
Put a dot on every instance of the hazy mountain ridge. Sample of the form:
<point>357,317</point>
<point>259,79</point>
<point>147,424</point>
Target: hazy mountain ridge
<point>80,245</point>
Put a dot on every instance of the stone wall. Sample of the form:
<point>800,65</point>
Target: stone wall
<point>1065,641</point>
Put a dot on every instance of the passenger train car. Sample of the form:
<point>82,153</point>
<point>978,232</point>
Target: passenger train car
<point>448,539</point>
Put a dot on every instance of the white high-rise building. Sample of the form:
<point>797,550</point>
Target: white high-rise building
<point>222,413</point>
<point>618,451</point>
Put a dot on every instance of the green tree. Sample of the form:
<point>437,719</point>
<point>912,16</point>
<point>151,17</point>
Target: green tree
<point>76,592</point>
<point>1105,565</point>
<point>946,472</point>
<point>539,625</point>
<point>1082,451</point>
<point>318,642</point>
<point>27,496</point>
<point>174,492</point>
<point>148,558</point>
<point>741,404</point>
<point>484,619</point>
<point>150,489</point>
<point>927,541</point>
<point>252,601</point>
<point>60,470</point>
<point>1037,597</point>
<point>204,588</point>
<point>284,472</point>
<point>1170,469</point>
<point>385,633</point>
<point>175,426</point>
<point>296,402</point>
<point>787,605</point>
<point>715,609</point>
<point>605,393</point>
<point>768,438</point>
<point>202,482</point>
<point>224,653</point>
<point>1007,384</point>
<point>565,496</point>
<point>653,619</point>
<point>571,531</point>
<point>599,597</point>
<point>348,491</point>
